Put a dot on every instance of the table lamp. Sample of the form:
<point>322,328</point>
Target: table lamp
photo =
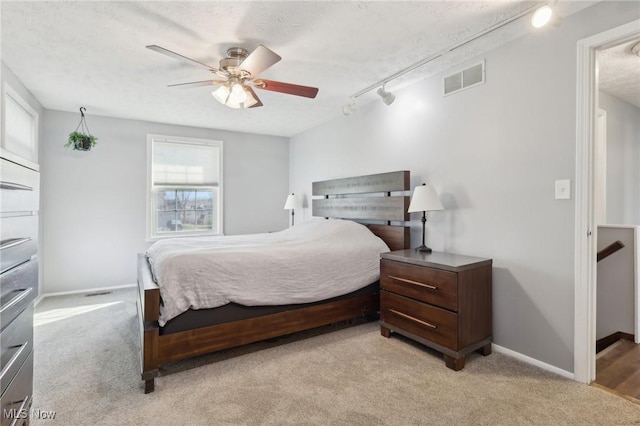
<point>424,199</point>
<point>290,204</point>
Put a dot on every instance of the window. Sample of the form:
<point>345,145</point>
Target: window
<point>185,186</point>
<point>21,126</point>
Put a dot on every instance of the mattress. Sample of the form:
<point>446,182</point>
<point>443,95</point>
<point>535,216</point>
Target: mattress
<point>313,261</point>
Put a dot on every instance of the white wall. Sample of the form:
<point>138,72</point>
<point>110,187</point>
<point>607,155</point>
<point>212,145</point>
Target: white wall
<point>493,152</point>
<point>615,310</point>
<point>93,203</point>
<point>623,160</point>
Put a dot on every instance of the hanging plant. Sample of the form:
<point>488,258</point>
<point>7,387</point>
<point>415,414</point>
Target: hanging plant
<point>81,139</point>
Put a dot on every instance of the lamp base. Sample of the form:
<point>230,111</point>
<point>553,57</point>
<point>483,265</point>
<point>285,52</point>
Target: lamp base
<point>423,249</point>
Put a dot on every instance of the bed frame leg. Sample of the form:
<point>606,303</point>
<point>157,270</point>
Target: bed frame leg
<point>149,378</point>
<point>149,385</point>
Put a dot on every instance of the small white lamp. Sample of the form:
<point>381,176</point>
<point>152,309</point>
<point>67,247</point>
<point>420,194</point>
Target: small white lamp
<point>424,199</point>
<point>291,204</point>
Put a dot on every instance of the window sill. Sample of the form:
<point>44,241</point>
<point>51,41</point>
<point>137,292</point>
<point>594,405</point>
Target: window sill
<point>154,239</point>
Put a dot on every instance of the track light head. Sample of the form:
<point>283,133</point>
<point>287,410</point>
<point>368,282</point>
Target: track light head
<point>545,15</point>
<point>349,108</point>
<point>541,16</point>
<point>387,97</point>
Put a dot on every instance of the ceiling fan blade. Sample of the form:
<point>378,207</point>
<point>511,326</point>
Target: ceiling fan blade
<point>259,103</point>
<point>198,83</point>
<point>259,60</point>
<point>291,89</point>
<point>178,56</point>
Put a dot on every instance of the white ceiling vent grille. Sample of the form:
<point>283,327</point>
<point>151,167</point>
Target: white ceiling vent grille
<point>464,79</point>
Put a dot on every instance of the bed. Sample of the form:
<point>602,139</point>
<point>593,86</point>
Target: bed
<point>214,289</point>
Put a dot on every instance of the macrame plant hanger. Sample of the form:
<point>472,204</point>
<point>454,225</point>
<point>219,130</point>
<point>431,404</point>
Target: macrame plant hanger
<point>84,128</point>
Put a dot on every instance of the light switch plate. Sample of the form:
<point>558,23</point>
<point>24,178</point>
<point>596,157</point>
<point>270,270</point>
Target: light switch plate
<point>563,189</point>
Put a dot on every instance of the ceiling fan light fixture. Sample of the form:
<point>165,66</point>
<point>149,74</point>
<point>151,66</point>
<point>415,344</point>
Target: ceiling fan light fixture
<point>234,95</point>
<point>221,94</point>
<point>238,94</point>
<point>239,68</point>
<point>387,97</point>
<point>250,100</point>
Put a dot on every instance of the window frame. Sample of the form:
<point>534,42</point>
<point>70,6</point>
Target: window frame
<point>9,92</point>
<point>151,210</point>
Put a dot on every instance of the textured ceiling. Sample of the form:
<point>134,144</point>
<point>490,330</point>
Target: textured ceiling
<point>92,54</point>
<point>619,72</point>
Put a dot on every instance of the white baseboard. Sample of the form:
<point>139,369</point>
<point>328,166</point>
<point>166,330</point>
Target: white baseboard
<point>84,291</point>
<point>533,361</point>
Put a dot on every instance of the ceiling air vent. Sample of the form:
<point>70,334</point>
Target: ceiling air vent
<point>464,79</point>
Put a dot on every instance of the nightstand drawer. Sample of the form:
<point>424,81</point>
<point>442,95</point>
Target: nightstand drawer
<point>430,285</point>
<point>432,323</point>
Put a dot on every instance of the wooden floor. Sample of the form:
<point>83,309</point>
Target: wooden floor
<point>618,370</point>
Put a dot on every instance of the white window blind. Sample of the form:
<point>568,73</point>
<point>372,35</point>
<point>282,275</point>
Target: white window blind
<point>179,163</point>
<point>20,126</point>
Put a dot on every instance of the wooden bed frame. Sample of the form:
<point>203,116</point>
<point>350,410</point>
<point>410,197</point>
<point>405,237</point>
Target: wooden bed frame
<point>339,201</point>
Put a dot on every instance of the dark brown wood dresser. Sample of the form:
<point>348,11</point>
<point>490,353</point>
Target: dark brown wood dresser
<point>441,300</point>
<point>19,204</point>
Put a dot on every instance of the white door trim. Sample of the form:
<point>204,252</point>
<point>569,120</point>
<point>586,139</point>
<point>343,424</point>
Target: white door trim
<point>600,170</point>
<point>585,232</point>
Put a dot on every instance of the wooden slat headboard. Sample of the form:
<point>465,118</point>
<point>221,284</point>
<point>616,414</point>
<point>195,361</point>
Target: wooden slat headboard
<point>381,182</point>
<point>343,200</point>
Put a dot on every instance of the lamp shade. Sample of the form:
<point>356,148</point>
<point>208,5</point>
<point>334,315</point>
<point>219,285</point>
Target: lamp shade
<point>291,202</point>
<point>424,199</point>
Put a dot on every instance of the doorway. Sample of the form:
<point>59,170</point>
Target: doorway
<point>585,226</point>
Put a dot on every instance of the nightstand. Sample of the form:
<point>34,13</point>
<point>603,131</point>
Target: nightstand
<point>441,300</point>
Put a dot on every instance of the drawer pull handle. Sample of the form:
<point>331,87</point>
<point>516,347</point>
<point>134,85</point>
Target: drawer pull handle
<point>5,244</point>
<point>23,406</point>
<point>404,280</point>
<point>23,293</point>
<point>409,317</point>
<point>14,186</point>
<point>13,359</point>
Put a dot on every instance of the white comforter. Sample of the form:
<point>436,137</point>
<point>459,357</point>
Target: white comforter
<point>314,260</point>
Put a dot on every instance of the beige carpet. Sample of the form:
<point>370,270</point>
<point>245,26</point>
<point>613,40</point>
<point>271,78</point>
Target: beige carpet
<point>86,370</point>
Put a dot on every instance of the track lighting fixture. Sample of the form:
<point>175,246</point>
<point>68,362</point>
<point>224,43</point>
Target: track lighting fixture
<point>545,15</point>
<point>348,109</point>
<point>387,97</point>
<point>542,15</point>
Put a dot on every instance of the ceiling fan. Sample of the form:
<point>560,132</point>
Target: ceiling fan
<point>239,70</point>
